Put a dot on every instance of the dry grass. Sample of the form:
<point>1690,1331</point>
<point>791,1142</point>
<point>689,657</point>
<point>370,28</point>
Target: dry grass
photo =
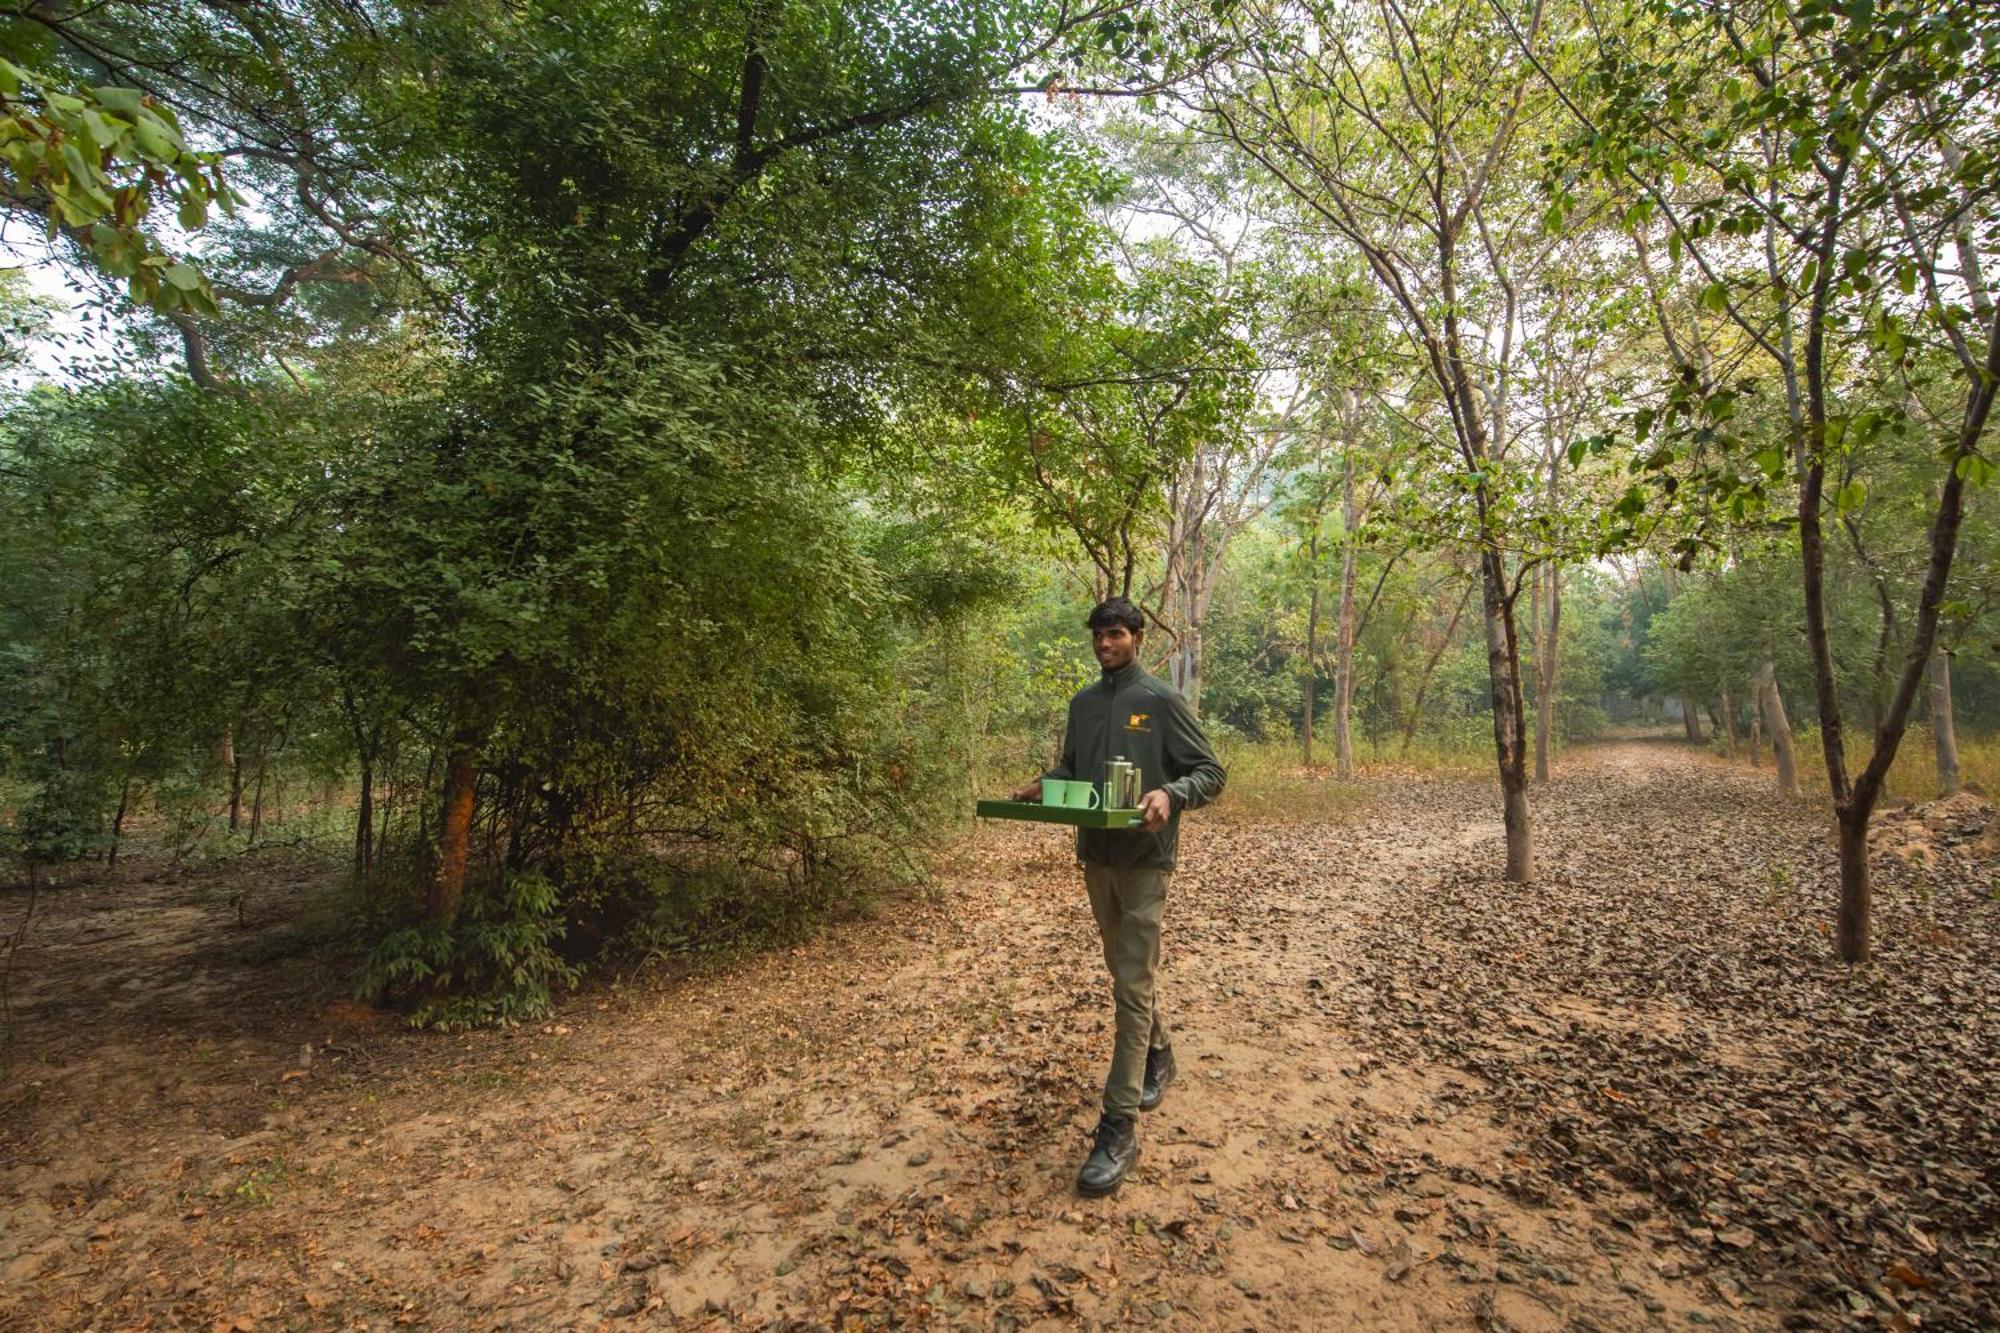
<point>1913,776</point>
<point>1267,782</point>
<point>1456,754</point>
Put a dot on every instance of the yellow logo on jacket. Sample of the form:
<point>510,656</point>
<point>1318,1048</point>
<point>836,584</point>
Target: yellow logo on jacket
<point>1139,722</point>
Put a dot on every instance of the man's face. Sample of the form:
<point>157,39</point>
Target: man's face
<point>1115,647</point>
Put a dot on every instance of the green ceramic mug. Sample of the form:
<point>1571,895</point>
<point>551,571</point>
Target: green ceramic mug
<point>1069,794</point>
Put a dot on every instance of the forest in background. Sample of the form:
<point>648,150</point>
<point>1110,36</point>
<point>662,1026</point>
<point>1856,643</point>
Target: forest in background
<point>620,478</point>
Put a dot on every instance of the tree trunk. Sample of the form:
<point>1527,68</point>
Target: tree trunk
<point>1188,568</point>
<point>1312,650</point>
<point>1191,648</point>
<point>257,803</point>
<point>235,788</point>
<point>1547,657</point>
<point>364,826</point>
<point>1343,669</point>
<point>1691,720</point>
<point>1520,842</point>
<point>461,781</point>
<point>1756,726</point>
<point>1944,734</point>
<point>1548,638</point>
<point>1509,726</point>
<point>1772,701</point>
<point>118,822</point>
<point>1855,891</point>
<point>1729,723</point>
<point>1537,641</point>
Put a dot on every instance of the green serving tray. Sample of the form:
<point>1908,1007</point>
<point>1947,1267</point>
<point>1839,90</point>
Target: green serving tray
<point>1037,813</point>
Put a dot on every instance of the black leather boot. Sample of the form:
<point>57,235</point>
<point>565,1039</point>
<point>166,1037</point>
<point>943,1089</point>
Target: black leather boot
<point>1159,1073</point>
<point>1111,1157</point>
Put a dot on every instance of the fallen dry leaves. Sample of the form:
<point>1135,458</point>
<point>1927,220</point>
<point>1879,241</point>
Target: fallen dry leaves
<point>1638,1090</point>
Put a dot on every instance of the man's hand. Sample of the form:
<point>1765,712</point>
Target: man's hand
<point>1031,792</point>
<point>1154,808</point>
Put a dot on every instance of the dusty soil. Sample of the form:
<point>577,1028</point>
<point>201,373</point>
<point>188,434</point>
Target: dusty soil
<point>1639,1092</point>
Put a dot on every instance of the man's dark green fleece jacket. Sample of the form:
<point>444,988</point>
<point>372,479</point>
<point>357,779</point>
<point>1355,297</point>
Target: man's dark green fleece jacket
<point>1144,720</point>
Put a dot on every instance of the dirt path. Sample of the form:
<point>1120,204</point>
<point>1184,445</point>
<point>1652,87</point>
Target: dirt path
<point>1409,1097</point>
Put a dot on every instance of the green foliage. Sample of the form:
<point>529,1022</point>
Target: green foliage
<point>62,819</point>
<point>24,317</point>
<point>496,964</point>
<point>714,420</point>
<point>94,162</point>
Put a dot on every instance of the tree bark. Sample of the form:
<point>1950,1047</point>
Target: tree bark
<point>1509,726</point>
<point>1191,646</point>
<point>1756,726</point>
<point>1538,640</point>
<point>1343,669</point>
<point>1855,891</point>
<point>1184,578</point>
<point>364,826</point>
<point>1772,702</point>
<point>1520,843</point>
<point>1548,638</point>
<point>1729,723</point>
<point>1691,720</point>
<point>1944,733</point>
<point>1312,649</point>
<point>225,758</point>
<point>118,823</point>
<point>461,782</point>
<point>257,802</point>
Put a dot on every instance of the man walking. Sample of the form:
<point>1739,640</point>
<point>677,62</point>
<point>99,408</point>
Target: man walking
<point>1131,715</point>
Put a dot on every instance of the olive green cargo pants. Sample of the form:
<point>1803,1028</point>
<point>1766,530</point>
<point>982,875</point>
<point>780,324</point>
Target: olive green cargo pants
<point>1128,905</point>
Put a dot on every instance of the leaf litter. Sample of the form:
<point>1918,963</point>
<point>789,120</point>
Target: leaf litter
<point>1638,1090</point>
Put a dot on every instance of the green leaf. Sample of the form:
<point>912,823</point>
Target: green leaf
<point>1849,497</point>
<point>125,101</point>
<point>184,276</point>
<point>1771,461</point>
<point>80,174</point>
<point>104,131</point>
<point>1974,470</point>
<point>157,136</point>
<point>1715,297</point>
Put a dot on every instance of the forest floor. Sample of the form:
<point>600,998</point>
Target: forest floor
<point>1636,1093</point>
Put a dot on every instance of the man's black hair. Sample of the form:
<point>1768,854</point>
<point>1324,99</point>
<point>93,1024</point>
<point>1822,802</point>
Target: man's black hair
<point>1116,611</point>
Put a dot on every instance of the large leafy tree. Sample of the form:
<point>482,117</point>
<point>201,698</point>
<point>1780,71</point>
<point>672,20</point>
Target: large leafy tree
<point>1403,133</point>
<point>568,371</point>
<point>1828,170</point>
